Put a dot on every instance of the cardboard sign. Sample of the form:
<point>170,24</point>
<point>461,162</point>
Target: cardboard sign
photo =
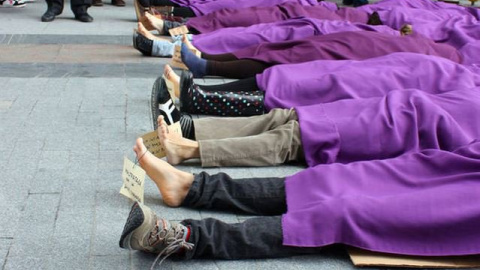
<point>133,181</point>
<point>177,57</point>
<point>178,31</point>
<point>361,258</point>
<point>153,144</point>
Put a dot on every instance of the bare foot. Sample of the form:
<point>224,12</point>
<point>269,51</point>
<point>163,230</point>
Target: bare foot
<point>172,78</point>
<point>190,45</point>
<point>142,30</point>
<point>176,147</point>
<point>172,183</point>
<point>155,22</point>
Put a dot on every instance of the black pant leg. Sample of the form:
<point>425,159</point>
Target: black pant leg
<point>80,6</point>
<point>254,238</point>
<point>236,69</point>
<point>245,85</point>
<point>259,196</point>
<point>55,5</point>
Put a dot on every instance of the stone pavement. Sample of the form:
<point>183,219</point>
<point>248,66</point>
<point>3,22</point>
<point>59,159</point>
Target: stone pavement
<point>73,98</point>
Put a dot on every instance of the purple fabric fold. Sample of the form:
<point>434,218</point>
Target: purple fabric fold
<point>202,7</point>
<point>345,46</point>
<point>235,38</point>
<point>423,203</point>
<point>402,121</point>
<point>250,16</point>
<point>325,81</point>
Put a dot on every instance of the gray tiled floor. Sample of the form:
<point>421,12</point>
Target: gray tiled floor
<point>65,127</point>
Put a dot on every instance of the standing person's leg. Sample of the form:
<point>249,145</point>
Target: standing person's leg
<point>54,8</point>
<point>79,8</point>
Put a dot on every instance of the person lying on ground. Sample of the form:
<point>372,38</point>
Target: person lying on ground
<point>226,18</point>
<point>352,45</point>
<point>342,131</point>
<point>424,203</point>
<point>234,38</point>
<point>321,81</point>
<point>193,8</point>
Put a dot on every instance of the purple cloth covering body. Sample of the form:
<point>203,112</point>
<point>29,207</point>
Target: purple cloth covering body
<point>438,26</point>
<point>402,121</point>
<point>325,81</point>
<point>202,7</point>
<point>423,203</point>
<point>236,38</point>
<point>250,16</point>
<point>344,46</point>
<point>425,5</point>
<point>415,188</point>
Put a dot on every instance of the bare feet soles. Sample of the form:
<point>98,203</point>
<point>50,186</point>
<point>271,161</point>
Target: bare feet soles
<point>173,81</point>
<point>155,22</point>
<point>176,147</point>
<point>142,30</point>
<point>172,183</point>
<point>190,46</point>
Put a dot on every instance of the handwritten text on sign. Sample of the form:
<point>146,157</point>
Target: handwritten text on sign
<point>133,181</point>
<point>153,144</point>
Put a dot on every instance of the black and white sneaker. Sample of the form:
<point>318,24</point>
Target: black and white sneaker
<point>162,104</point>
<point>12,3</point>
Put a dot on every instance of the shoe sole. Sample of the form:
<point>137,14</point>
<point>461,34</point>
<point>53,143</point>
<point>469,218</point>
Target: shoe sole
<point>168,110</point>
<point>154,101</point>
<point>134,221</point>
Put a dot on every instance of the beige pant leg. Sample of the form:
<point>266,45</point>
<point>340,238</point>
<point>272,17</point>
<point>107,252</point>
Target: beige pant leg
<point>272,147</point>
<point>229,127</point>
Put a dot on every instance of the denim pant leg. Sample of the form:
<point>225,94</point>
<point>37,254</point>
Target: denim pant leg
<point>258,196</point>
<point>254,238</point>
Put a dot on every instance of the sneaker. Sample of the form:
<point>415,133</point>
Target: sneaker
<point>12,3</point>
<point>145,231</point>
<point>162,104</point>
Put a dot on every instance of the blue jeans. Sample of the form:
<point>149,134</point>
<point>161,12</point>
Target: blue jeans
<point>254,238</point>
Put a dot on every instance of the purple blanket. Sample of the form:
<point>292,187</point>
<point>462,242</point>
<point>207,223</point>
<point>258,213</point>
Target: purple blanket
<point>399,122</point>
<point>236,38</point>
<point>249,16</point>
<point>344,46</point>
<point>325,81</point>
<point>425,5</point>
<point>423,203</point>
<point>414,186</point>
<point>202,7</point>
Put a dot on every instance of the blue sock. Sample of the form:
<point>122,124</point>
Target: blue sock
<point>196,65</point>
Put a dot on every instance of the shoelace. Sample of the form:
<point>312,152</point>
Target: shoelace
<point>177,243</point>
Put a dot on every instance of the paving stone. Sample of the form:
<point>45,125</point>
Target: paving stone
<point>54,160</point>
<point>113,125</point>
<point>26,261</point>
<point>36,225</point>
<point>64,260</point>
<point>48,180</point>
<point>5,244</point>
<point>111,213</point>
<point>76,220</point>
<point>111,262</point>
